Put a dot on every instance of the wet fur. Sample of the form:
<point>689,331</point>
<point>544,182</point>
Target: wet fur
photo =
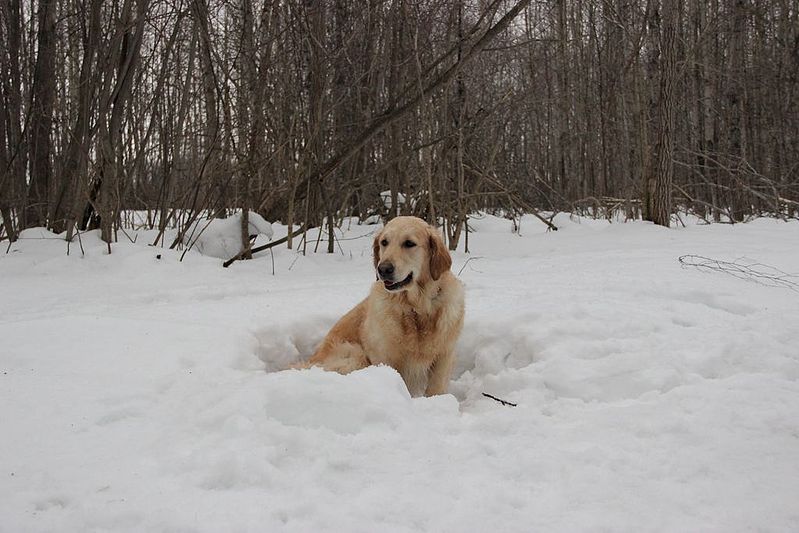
<point>413,330</point>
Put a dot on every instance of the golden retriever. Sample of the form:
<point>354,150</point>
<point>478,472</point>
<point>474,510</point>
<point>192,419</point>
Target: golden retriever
<point>412,316</point>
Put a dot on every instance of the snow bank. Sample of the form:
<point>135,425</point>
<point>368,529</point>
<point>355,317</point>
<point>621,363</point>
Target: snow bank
<point>371,397</point>
<point>221,237</point>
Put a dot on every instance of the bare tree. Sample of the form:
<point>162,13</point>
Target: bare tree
<point>658,174</point>
<point>42,104</point>
<point>305,112</point>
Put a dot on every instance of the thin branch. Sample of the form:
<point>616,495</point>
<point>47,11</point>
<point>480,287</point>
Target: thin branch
<point>503,402</point>
<point>743,269</point>
<point>264,247</point>
<point>466,263</point>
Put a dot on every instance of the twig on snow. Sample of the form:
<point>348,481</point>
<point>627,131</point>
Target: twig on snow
<point>503,402</point>
<point>743,269</point>
<point>466,263</point>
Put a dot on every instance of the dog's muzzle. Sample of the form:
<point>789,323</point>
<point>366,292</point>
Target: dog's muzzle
<point>396,285</point>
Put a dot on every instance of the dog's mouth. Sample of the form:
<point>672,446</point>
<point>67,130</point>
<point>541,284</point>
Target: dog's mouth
<point>398,284</point>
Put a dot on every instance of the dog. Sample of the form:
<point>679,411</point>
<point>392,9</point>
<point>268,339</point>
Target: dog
<point>412,316</point>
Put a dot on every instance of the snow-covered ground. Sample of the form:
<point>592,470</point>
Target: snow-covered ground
<point>143,394</point>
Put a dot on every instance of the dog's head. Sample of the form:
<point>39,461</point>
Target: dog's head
<point>409,251</point>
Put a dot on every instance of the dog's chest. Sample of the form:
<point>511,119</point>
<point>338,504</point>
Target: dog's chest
<point>403,336</point>
<point>412,324</point>
<point>419,335</point>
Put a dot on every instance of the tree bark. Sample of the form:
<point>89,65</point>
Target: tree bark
<point>12,173</point>
<point>74,169</point>
<point>43,100</point>
<point>658,182</point>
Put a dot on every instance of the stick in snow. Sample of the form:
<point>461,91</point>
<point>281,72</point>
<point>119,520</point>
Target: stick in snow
<point>262,248</point>
<point>503,402</point>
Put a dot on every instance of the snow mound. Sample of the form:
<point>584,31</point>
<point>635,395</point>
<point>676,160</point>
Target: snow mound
<point>371,398</point>
<point>37,233</point>
<point>221,237</point>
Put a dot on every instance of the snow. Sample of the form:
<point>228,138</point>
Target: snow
<point>386,197</point>
<point>221,237</point>
<point>147,394</point>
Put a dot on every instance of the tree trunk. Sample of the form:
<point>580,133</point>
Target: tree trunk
<point>43,100</point>
<point>658,183</point>
<point>12,173</point>
<point>74,169</point>
<point>735,92</point>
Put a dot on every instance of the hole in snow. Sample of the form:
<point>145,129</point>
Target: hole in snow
<point>280,346</point>
<point>488,354</point>
<point>488,358</point>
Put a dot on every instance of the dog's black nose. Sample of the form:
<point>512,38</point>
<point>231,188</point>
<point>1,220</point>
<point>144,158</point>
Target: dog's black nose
<point>386,270</point>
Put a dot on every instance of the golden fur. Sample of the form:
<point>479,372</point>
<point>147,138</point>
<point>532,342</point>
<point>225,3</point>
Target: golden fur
<point>413,328</point>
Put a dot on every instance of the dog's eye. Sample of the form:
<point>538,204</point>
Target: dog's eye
<point>384,242</point>
<point>408,244</point>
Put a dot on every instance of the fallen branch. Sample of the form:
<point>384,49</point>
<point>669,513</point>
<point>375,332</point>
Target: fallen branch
<point>513,198</point>
<point>503,402</point>
<point>263,247</point>
<point>743,269</point>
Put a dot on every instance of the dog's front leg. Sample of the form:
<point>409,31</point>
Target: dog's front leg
<point>415,375</point>
<point>440,374</point>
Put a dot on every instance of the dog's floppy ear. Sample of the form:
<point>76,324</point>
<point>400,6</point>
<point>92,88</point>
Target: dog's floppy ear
<point>440,260</point>
<point>376,249</point>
